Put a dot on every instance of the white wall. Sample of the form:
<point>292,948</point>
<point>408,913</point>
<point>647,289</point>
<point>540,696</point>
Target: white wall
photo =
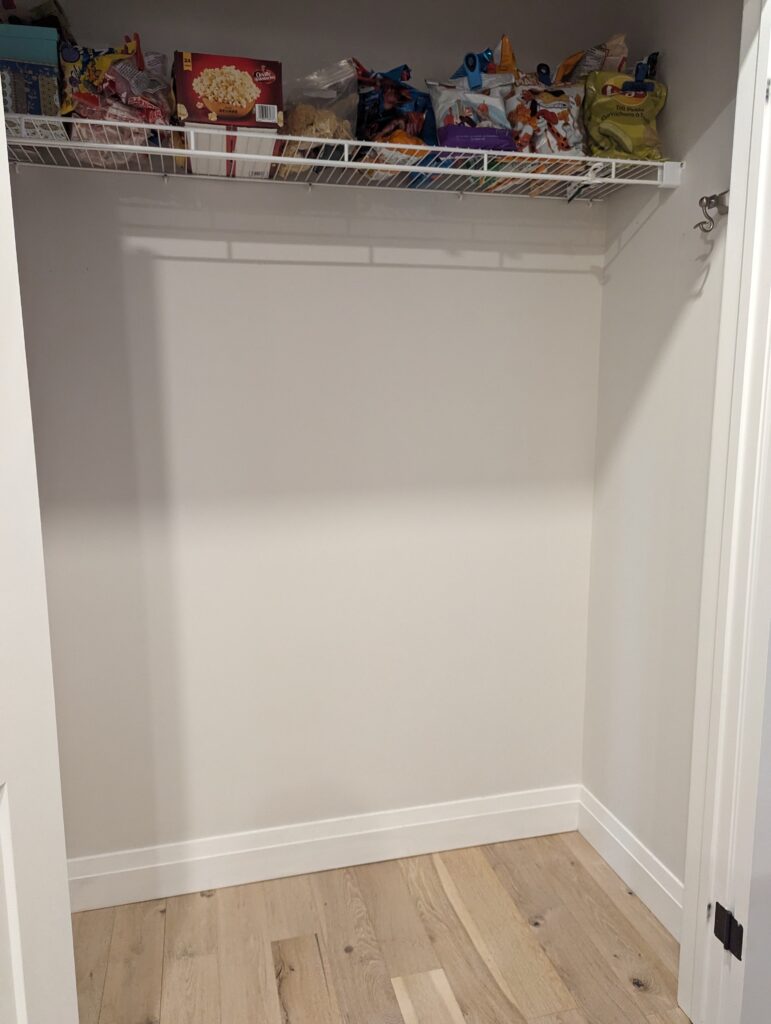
<point>36,943</point>
<point>661,302</point>
<point>316,475</point>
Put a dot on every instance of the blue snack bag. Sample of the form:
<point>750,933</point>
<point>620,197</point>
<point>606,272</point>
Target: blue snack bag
<point>389,104</point>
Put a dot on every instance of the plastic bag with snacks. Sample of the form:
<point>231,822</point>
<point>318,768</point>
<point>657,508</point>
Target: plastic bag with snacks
<point>470,120</point>
<point>620,114</point>
<point>325,103</point>
<point>388,104</point>
<point>95,82</point>
<point>610,56</point>
<point>547,120</point>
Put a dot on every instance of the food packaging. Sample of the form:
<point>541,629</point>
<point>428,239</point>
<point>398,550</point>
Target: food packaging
<point>470,120</point>
<point>238,92</point>
<point>389,104</point>
<point>547,120</point>
<point>621,122</point>
<point>325,103</point>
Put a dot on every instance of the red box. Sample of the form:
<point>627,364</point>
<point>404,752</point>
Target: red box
<point>234,91</point>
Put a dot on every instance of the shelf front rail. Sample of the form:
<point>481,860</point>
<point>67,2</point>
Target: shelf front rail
<point>250,155</point>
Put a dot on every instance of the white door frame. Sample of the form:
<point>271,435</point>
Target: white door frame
<point>36,940</point>
<point>736,599</point>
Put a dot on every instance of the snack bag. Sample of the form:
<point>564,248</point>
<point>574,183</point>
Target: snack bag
<point>325,103</point>
<point>610,56</point>
<point>83,71</point>
<point>470,120</point>
<point>547,120</point>
<point>622,123</point>
<point>143,82</point>
<point>388,103</point>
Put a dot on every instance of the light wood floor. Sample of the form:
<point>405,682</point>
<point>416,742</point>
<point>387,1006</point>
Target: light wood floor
<point>539,930</point>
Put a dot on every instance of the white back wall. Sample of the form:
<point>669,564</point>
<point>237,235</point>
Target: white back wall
<point>661,303</point>
<point>316,477</point>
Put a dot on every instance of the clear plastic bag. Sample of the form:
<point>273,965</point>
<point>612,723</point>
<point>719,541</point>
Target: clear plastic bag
<point>324,104</point>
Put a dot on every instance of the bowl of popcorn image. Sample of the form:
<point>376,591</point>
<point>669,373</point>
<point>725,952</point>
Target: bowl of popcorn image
<point>226,91</point>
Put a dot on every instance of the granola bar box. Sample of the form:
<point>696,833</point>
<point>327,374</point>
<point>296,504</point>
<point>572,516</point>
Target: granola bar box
<point>235,91</point>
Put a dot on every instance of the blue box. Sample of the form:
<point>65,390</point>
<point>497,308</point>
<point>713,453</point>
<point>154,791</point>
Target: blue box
<point>31,44</point>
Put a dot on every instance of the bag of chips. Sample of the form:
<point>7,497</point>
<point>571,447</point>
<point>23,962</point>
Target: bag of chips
<point>388,103</point>
<point>621,122</point>
<point>547,120</point>
<point>472,120</point>
<point>610,56</point>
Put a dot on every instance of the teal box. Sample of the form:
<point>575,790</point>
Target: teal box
<point>30,44</point>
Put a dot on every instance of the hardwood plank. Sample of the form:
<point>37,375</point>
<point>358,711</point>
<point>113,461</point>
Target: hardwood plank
<point>290,907</point>
<point>304,991</point>
<point>675,1016</point>
<point>427,998</point>
<point>357,969</point>
<point>245,965</point>
<point>132,988</point>
<point>91,934</point>
<point>600,998</point>
<point>191,989</point>
<point>650,929</point>
<point>568,1017</point>
<point>479,997</point>
<point>501,935</point>
<point>634,963</point>
<point>406,948</point>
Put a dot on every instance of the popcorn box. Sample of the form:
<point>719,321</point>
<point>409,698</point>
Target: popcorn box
<point>237,92</point>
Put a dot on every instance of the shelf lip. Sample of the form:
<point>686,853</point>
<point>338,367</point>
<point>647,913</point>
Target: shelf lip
<point>209,151</point>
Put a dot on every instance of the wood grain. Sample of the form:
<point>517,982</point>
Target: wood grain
<point>246,978</point>
<point>501,935</point>
<point>583,969</point>
<point>132,987</point>
<point>302,982</point>
<point>675,1016</point>
<point>290,907</point>
<point>191,987</point>
<point>91,934</point>
<point>645,924</point>
<point>427,998</point>
<point>537,931</point>
<point>357,967</point>
<point>635,964</point>
<point>477,993</point>
<point>406,948</point>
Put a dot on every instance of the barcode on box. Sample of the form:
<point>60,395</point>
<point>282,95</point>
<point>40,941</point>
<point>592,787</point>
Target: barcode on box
<point>265,112</point>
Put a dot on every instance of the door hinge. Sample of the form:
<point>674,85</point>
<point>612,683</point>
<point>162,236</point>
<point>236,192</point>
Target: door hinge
<point>729,931</point>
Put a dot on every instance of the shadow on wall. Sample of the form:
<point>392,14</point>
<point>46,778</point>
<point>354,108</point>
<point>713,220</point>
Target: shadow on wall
<point>233,362</point>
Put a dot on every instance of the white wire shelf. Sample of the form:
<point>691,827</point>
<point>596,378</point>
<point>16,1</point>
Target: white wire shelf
<point>249,155</point>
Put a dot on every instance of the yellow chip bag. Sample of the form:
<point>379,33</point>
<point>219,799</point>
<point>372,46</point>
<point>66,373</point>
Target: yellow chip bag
<point>620,122</point>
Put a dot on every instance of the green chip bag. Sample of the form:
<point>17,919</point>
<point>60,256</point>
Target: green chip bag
<point>622,124</point>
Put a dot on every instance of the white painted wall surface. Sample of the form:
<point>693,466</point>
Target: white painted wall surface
<point>661,302</point>
<point>34,907</point>
<point>316,475</point>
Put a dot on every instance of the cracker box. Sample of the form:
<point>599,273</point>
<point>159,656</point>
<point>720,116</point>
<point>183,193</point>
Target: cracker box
<point>237,92</point>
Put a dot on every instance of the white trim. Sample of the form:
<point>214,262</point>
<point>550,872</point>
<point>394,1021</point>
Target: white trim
<point>153,872</point>
<point>659,889</point>
<point>729,691</point>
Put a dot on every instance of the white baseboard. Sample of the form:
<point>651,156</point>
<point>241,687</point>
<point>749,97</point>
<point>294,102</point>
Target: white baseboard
<point>131,876</point>
<point>654,883</point>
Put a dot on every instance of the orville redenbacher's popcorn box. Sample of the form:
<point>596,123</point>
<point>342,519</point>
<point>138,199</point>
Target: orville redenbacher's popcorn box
<point>237,93</point>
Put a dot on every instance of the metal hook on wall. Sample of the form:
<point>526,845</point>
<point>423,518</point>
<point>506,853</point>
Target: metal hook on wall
<point>718,203</point>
